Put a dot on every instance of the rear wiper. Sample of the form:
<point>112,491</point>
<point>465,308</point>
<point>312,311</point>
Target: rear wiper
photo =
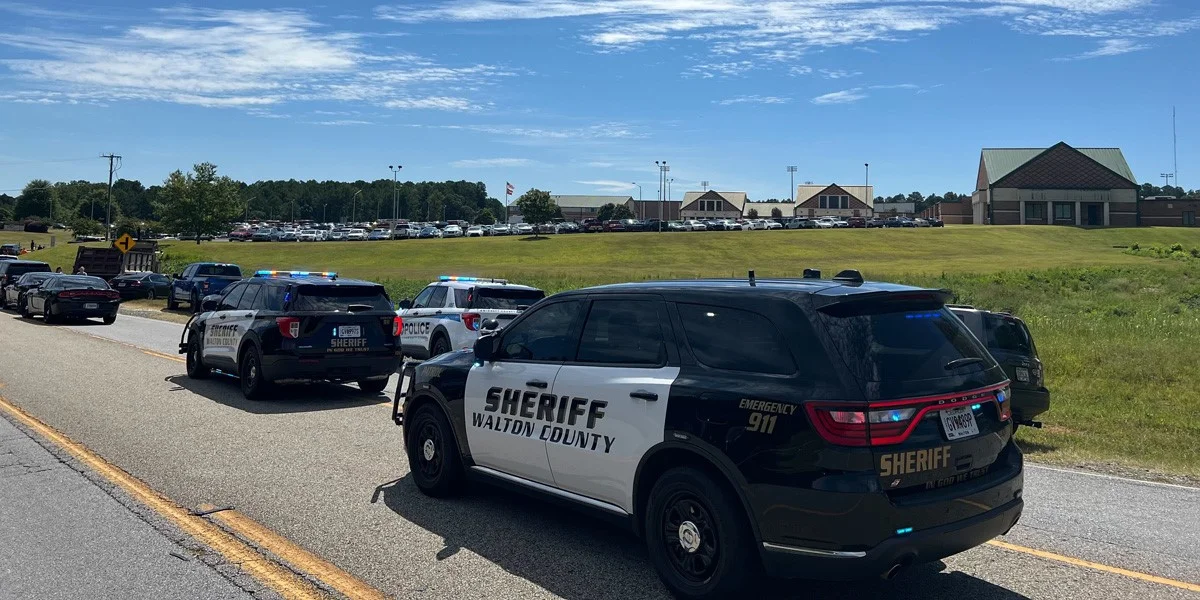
<point>962,362</point>
<point>359,308</point>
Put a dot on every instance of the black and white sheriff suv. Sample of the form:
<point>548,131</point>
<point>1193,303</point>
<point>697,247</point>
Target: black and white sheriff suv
<point>450,313</point>
<point>293,327</point>
<point>826,429</point>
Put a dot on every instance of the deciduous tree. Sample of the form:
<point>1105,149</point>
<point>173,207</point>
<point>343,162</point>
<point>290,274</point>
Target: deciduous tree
<point>199,202</point>
<point>537,207</point>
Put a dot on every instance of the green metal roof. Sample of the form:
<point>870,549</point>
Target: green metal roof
<point>1002,161</point>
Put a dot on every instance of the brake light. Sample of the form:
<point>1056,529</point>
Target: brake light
<point>471,321</point>
<point>289,327</point>
<point>891,422</point>
<point>397,326</point>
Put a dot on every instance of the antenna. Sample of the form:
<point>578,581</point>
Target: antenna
<point>704,184</point>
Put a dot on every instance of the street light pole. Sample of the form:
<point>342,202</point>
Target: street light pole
<point>395,195</point>
<point>641,209</point>
<point>792,171</point>
<point>353,213</point>
<point>663,169</point>
<point>867,188</point>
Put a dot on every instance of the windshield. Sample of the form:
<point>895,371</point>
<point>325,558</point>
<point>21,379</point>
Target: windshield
<point>504,298</point>
<point>219,270</point>
<point>882,342</point>
<point>330,298</point>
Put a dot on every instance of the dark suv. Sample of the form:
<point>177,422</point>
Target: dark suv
<point>10,272</point>
<point>811,428</point>
<point>1010,343</point>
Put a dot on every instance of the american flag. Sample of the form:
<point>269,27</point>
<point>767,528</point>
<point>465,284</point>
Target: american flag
<point>509,190</point>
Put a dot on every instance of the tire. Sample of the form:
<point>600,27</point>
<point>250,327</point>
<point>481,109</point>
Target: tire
<point>171,303</point>
<point>150,295</point>
<point>110,319</point>
<point>254,383</point>
<point>195,362</point>
<point>47,314</point>
<point>698,537</point>
<point>433,457</point>
<point>372,386</point>
<point>23,308</point>
<point>441,345</point>
<point>195,304</point>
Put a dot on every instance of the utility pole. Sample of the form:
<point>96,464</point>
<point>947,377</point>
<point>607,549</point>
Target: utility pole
<point>663,169</point>
<point>1166,179</point>
<point>867,188</point>
<point>641,209</point>
<point>792,172</point>
<point>113,160</point>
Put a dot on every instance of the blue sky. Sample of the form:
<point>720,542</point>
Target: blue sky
<point>582,97</point>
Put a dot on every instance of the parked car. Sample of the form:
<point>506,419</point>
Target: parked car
<point>524,229</point>
<point>802,223</point>
<point>429,232</point>
<point>452,231</point>
<point>475,231</point>
<point>592,226</point>
<point>11,271</point>
<point>694,225</point>
<point>451,313</point>
<point>501,229</point>
<point>309,235</point>
<point>264,234</point>
<point>824,223</point>
<point>568,228</point>
<point>875,222</point>
<point>241,235</point>
<point>379,235</point>
<point>633,225</point>
<point>857,222</point>
<point>935,222</point>
<point>289,235</point>
<point>773,224</point>
<point>18,285</point>
<point>199,280</point>
<point>676,226</point>
<point>547,228</point>
<point>72,297</point>
<point>919,222</point>
<point>614,225</point>
<point>338,235</point>
<point>356,235</point>
<point>142,285</point>
<point>1010,343</point>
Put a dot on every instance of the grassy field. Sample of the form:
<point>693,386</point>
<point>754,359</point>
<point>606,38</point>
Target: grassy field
<point>22,238</point>
<point>1118,329</point>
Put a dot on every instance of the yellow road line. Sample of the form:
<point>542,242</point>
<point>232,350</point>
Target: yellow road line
<point>161,355</point>
<point>277,577</point>
<point>311,564</point>
<point>1183,585</point>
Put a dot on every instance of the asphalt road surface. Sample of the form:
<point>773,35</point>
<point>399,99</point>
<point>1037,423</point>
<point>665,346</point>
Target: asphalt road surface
<point>323,466</point>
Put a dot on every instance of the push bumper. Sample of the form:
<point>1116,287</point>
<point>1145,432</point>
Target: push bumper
<point>914,548</point>
<point>286,369</point>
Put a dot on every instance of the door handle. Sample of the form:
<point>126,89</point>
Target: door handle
<point>220,316</point>
<point>537,383</point>
<point>644,395</point>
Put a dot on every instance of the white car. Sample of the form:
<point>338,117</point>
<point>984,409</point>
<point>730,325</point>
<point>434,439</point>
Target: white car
<point>339,235</point>
<point>695,226</point>
<point>475,231</point>
<point>824,223</point>
<point>449,313</point>
<point>524,229</point>
<point>501,229</point>
<point>309,235</point>
<point>379,235</point>
<point>452,231</point>
<point>758,224</point>
<point>773,224</point>
<point>356,235</point>
<point>920,223</point>
<point>840,223</point>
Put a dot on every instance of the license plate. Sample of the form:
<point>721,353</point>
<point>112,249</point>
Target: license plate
<point>348,331</point>
<point>1022,374</point>
<point>122,284</point>
<point>91,306</point>
<point>959,423</point>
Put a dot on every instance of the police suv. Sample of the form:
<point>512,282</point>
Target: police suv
<point>295,326</point>
<point>826,429</point>
<point>449,313</point>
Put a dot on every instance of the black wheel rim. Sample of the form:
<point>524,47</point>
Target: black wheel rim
<point>250,372</point>
<point>428,435</point>
<point>693,559</point>
<point>191,358</point>
<point>440,347</point>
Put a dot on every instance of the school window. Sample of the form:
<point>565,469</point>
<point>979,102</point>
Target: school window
<point>823,200</point>
<point>1062,211</point>
<point>1035,211</point>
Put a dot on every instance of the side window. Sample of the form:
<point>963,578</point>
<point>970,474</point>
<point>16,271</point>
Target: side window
<point>160,279</point>
<point>188,272</point>
<point>438,299</point>
<point>460,297</point>
<point>544,335</point>
<point>230,300</point>
<point>623,332</point>
<point>422,300</point>
<point>270,298</point>
<point>248,300</point>
<point>759,347</point>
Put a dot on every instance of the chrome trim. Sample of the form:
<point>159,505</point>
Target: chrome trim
<point>814,551</point>
<point>541,487</point>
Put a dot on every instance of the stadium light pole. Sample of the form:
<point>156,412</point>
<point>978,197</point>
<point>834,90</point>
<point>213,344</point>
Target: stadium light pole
<point>395,198</point>
<point>353,214</point>
<point>792,172</point>
<point>663,169</point>
<point>641,209</point>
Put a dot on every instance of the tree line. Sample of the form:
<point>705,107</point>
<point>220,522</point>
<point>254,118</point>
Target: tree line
<point>172,206</point>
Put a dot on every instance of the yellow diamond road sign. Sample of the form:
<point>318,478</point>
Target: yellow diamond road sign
<point>124,243</point>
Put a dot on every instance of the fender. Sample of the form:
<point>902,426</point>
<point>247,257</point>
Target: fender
<point>440,329</point>
<point>677,440</point>
<point>457,426</point>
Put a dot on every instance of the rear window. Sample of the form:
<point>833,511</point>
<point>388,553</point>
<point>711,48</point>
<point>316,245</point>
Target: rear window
<point>758,347</point>
<point>339,298</point>
<point>82,283</point>
<point>1007,335</point>
<point>504,298</point>
<point>18,269</point>
<point>220,270</point>
<point>890,343</point>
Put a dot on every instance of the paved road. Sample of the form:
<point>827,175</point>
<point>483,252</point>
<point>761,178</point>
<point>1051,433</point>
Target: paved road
<point>64,537</point>
<point>323,466</point>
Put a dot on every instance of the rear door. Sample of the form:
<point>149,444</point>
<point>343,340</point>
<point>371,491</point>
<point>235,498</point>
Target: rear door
<point>617,385</point>
<point>418,320</point>
<point>223,330</point>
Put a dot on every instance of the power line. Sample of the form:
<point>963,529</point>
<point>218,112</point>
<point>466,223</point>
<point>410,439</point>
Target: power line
<point>35,161</point>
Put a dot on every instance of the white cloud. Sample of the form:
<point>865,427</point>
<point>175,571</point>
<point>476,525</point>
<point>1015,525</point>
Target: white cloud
<point>753,99</point>
<point>838,73</point>
<point>722,69</point>
<point>842,97</point>
<point>234,58</point>
<point>488,163</point>
<point>340,122</point>
<point>799,70</point>
<point>611,186</point>
<point>597,164</point>
<point>1108,48</point>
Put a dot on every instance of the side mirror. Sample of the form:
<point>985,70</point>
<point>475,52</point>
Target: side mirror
<point>177,276</point>
<point>404,304</point>
<point>486,347</point>
<point>210,303</point>
<point>489,325</point>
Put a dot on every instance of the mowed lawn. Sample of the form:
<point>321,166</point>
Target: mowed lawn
<point>1119,334</point>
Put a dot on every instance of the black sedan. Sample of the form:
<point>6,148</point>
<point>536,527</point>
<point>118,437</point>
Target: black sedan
<point>72,297</point>
<point>14,293</point>
<point>142,285</point>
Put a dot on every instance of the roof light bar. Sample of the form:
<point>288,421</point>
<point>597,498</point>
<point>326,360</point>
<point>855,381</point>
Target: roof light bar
<point>471,279</point>
<point>296,274</point>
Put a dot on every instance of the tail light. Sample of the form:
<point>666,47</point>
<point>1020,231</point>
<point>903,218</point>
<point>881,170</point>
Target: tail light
<point>886,423</point>
<point>135,284</point>
<point>397,326</point>
<point>289,327</point>
<point>471,321</point>
<point>68,294</point>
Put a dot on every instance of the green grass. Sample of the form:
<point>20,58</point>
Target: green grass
<point>23,238</point>
<point>1117,328</point>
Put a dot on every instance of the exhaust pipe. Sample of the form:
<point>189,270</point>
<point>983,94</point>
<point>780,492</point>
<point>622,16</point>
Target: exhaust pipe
<point>897,568</point>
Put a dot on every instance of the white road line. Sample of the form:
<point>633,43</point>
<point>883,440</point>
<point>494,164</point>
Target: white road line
<point>1118,478</point>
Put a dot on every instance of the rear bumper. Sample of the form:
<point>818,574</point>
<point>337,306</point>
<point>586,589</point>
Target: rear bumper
<point>1028,403</point>
<point>329,368</point>
<point>75,310</point>
<point>915,548</point>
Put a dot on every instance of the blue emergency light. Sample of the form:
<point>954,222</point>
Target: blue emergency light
<point>470,279</point>
<point>296,274</point>
<point>904,531</point>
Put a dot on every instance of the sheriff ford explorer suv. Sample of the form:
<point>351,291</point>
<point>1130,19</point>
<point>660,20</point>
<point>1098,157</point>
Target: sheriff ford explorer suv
<point>828,429</point>
<point>295,326</point>
<point>449,313</point>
